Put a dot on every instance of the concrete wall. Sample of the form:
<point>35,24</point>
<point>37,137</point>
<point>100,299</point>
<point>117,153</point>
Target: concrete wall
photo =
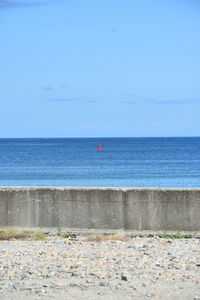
<point>100,208</point>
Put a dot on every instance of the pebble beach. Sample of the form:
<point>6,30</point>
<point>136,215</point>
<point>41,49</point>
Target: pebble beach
<point>84,268</point>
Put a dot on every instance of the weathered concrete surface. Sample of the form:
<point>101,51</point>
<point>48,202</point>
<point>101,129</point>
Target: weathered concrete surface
<point>100,208</point>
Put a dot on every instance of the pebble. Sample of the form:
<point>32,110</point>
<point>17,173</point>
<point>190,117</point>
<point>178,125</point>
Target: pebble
<point>198,264</point>
<point>124,277</point>
<point>132,269</point>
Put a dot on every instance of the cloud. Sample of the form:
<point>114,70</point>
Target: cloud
<point>71,99</point>
<point>176,101</point>
<point>78,23</point>
<point>47,88</point>
<point>114,29</point>
<point>86,126</point>
<point>92,101</point>
<point>17,4</point>
<point>128,102</point>
<point>64,99</point>
<point>164,102</point>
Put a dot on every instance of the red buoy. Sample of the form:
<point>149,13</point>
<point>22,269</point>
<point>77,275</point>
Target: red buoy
<point>100,148</point>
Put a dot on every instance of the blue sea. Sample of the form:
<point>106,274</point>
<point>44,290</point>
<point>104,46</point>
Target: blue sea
<point>124,162</point>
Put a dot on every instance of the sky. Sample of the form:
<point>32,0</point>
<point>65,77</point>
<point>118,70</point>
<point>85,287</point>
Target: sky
<point>104,68</point>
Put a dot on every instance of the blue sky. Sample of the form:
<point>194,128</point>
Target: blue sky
<point>73,68</point>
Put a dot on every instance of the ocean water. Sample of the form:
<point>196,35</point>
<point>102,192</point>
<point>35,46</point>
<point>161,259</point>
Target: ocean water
<point>128,162</point>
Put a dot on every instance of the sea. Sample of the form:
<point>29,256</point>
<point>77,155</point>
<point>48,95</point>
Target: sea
<point>124,162</point>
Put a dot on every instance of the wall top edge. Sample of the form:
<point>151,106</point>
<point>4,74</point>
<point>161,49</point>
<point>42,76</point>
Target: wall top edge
<point>95,188</point>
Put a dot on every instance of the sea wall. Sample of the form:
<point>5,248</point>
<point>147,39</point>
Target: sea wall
<point>100,208</point>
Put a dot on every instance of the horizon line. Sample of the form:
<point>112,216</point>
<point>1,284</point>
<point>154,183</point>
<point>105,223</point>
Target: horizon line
<point>101,137</point>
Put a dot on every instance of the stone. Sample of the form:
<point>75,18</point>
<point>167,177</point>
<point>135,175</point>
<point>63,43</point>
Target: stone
<point>103,283</point>
<point>124,276</point>
<point>198,264</point>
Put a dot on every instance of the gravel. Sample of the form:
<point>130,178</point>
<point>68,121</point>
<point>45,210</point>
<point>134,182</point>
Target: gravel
<point>64,268</point>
